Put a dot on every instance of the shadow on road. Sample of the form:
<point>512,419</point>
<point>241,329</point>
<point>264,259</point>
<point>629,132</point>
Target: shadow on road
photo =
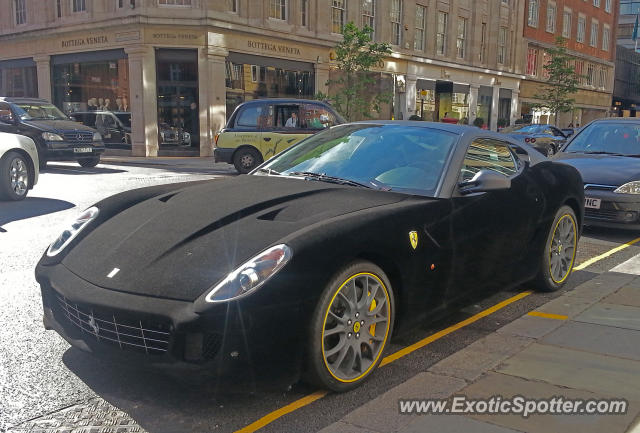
<point>610,234</point>
<point>70,169</point>
<point>30,207</point>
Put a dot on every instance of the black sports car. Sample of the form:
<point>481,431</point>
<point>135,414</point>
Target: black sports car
<point>607,154</point>
<point>547,139</point>
<point>314,258</point>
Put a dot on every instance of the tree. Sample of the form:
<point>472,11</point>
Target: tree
<point>356,54</point>
<point>562,81</point>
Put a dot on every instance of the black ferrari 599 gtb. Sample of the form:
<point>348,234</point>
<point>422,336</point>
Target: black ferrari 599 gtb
<point>314,258</point>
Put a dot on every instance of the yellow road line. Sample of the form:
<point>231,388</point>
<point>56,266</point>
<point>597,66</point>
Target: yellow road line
<point>595,259</point>
<point>548,315</point>
<point>304,401</point>
<point>270,417</point>
<point>415,346</point>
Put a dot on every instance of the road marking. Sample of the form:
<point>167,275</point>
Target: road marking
<point>270,417</point>
<point>304,401</point>
<point>595,259</point>
<point>631,266</point>
<point>547,315</point>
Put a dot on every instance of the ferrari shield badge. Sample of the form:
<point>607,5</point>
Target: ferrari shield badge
<point>413,238</point>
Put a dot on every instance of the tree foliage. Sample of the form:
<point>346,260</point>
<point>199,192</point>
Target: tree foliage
<point>562,81</point>
<point>356,55</point>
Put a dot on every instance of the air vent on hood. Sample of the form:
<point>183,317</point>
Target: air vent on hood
<point>270,216</point>
<point>167,197</point>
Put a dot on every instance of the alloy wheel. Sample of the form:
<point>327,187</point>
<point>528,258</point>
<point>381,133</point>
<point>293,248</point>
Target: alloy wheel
<point>19,176</point>
<point>562,250</point>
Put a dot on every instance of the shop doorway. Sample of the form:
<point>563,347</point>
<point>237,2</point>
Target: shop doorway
<point>178,122</point>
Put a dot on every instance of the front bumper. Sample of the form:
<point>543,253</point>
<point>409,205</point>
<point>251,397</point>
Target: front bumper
<point>223,154</point>
<point>133,329</point>
<point>616,210</point>
<point>63,151</point>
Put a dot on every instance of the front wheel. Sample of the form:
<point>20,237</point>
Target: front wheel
<point>14,177</point>
<point>559,252</point>
<point>89,162</point>
<point>246,160</point>
<point>350,327</point>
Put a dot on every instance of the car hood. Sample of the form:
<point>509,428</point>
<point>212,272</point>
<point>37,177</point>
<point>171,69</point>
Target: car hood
<point>603,169</point>
<point>56,125</point>
<point>179,244</point>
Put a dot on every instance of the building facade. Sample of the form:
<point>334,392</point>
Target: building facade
<point>184,65</point>
<point>626,90</point>
<point>589,30</point>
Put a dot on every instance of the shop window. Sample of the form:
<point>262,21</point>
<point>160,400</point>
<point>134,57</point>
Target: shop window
<point>369,15</point>
<point>19,82</point>
<point>21,11</point>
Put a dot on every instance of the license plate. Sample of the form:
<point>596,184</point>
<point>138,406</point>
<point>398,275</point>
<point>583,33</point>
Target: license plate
<point>592,203</point>
<point>82,150</point>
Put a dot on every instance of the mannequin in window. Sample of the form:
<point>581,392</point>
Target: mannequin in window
<point>125,104</point>
<point>107,104</point>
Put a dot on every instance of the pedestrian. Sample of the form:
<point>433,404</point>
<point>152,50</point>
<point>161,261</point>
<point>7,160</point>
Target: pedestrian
<point>292,121</point>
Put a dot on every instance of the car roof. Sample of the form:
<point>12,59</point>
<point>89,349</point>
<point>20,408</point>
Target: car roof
<point>449,127</point>
<point>22,100</point>
<point>283,101</point>
<point>617,120</point>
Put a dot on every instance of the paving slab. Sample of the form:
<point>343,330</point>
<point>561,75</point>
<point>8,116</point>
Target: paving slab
<point>567,306</point>
<point>509,386</point>
<point>606,340</point>
<point>603,374</point>
<point>530,326</point>
<point>601,286</point>
<point>452,424</point>
<point>627,295</point>
<point>344,427</point>
<point>622,316</point>
<point>482,355</point>
<point>381,414</point>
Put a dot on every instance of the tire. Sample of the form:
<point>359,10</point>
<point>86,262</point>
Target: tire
<point>246,160</point>
<point>559,252</point>
<point>343,359</point>
<point>14,177</point>
<point>89,162</point>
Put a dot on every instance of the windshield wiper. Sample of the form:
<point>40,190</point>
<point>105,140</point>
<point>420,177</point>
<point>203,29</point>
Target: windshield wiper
<point>603,152</point>
<point>330,179</point>
<point>269,171</point>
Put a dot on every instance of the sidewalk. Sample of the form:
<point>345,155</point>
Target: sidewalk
<point>587,346</point>
<point>196,163</point>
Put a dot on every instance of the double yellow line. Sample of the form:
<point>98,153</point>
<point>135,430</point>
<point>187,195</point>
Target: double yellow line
<point>308,399</point>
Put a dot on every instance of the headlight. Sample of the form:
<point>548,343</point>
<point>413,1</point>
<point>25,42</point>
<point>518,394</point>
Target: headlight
<point>97,136</point>
<point>72,231</point>
<point>50,136</point>
<point>629,188</point>
<point>250,275</point>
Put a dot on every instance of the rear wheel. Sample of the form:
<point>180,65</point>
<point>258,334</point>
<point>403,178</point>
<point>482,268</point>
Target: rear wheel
<point>14,177</point>
<point>350,327</point>
<point>246,160</point>
<point>559,251</point>
<point>89,162</point>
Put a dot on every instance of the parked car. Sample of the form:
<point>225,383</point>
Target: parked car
<point>114,126</point>
<point>545,138</point>
<point>310,262</point>
<point>606,152</point>
<point>57,137</point>
<point>18,166</point>
<point>258,129</point>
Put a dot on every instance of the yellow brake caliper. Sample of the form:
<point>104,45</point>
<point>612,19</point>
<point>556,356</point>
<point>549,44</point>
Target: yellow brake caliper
<point>372,328</point>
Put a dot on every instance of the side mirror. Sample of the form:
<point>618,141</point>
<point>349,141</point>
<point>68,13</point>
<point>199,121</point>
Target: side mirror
<point>484,181</point>
<point>7,118</point>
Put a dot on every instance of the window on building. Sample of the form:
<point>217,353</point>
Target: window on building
<point>78,5</point>
<point>590,74</point>
<point>396,22</point>
<point>566,24</point>
<point>369,15</point>
<point>502,45</point>
<point>175,2</point>
<point>234,6</point>
<point>532,61</point>
<point>278,9</point>
<point>441,34</point>
<point>483,43</point>
<point>596,3</point>
<point>462,35</point>
<point>593,37</point>
<point>602,78</point>
<point>123,3</point>
<point>551,17</point>
<point>606,35</point>
<point>607,5</point>
<point>304,13</point>
<point>533,13</point>
<point>418,40</point>
<point>337,15</point>
<point>579,68</point>
<point>582,27</point>
<point>21,11</point>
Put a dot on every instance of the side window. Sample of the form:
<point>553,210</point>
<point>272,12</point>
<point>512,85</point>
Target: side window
<point>557,132</point>
<point>548,131</point>
<point>316,116</point>
<point>488,154</point>
<point>250,116</point>
<point>287,116</point>
<point>6,116</point>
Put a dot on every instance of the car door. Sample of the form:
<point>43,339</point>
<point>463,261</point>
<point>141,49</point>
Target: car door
<point>491,230</point>
<point>246,127</point>
<point>285,131</point>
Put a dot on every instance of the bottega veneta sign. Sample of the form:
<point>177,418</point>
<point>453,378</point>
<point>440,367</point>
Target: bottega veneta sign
<point>89,40</point>
<point>276,48</point>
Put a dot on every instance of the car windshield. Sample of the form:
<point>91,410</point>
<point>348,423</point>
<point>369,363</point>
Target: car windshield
<point>607,138</point>
<point>527,129</point>
<point>38,111</point>
<point>402,158</point>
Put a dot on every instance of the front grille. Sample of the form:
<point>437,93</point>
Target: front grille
<point>598,187</point>
<point>129,334</point>
<point>601,214</point>
<point>78,137</point>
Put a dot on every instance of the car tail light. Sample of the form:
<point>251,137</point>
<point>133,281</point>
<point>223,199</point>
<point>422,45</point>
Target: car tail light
<point>526,140</point>
<point>215,137</point>
<point>533,140</point>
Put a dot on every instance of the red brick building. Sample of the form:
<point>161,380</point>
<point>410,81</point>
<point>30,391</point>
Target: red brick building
<point>589,27</point>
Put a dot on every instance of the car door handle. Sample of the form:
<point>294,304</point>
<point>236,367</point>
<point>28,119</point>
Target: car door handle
<point>266,138</point>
